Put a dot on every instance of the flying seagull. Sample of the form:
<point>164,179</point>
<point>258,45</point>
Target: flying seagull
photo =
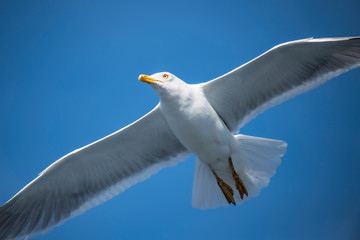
<point>202,119</point>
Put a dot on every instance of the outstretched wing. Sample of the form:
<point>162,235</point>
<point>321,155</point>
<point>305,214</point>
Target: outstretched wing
<point>91,175</point>
<point>281,73</point>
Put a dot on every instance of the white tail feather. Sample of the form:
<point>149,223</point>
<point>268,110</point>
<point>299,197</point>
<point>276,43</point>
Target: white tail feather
<point>255,160</point>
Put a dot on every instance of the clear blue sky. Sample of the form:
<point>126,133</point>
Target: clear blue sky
<point>68,76</point>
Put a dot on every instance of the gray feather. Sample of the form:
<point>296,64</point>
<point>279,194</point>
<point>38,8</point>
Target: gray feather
<point>279,74</point>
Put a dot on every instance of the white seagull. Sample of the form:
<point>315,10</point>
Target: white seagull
<point>199,119</point>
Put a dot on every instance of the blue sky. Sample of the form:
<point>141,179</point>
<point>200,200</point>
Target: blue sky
<point>68,76</point>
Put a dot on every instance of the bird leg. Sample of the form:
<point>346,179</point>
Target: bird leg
<point>238,182</point>
<point>226,189</point>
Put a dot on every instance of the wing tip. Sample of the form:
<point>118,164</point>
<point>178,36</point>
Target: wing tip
<point>320,39</point>
<point>330,39</point>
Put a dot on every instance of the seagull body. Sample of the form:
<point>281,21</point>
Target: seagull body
<point>202,119</point>
<point>190,117</point>
<point>200,129</point>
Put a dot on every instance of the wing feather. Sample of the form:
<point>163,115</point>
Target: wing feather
<point>281,73</point>
<point>91,175</point>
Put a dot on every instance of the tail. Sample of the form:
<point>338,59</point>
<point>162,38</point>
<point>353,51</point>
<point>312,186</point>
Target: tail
<point>255,160</point>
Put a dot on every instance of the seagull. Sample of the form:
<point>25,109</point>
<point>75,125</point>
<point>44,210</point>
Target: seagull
<point>201,119</point>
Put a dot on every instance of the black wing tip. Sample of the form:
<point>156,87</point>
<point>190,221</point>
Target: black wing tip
<point>352,38</point>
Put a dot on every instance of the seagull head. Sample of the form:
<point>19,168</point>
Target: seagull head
<point>163,82</point>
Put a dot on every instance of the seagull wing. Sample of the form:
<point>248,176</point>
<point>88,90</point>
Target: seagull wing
<point>91,175</point>
<point>279,74</point>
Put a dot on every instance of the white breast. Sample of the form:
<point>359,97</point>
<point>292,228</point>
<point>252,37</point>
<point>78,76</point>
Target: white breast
<point>196,124</point>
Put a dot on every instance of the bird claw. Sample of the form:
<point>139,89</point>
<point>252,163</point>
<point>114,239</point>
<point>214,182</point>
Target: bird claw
<point>226,189</point>
<point>240,186</point>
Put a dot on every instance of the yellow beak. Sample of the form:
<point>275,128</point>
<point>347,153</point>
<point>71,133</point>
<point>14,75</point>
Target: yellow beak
<point>147,79</point>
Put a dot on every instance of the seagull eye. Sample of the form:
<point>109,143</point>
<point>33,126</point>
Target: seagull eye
<point>165,76</point>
